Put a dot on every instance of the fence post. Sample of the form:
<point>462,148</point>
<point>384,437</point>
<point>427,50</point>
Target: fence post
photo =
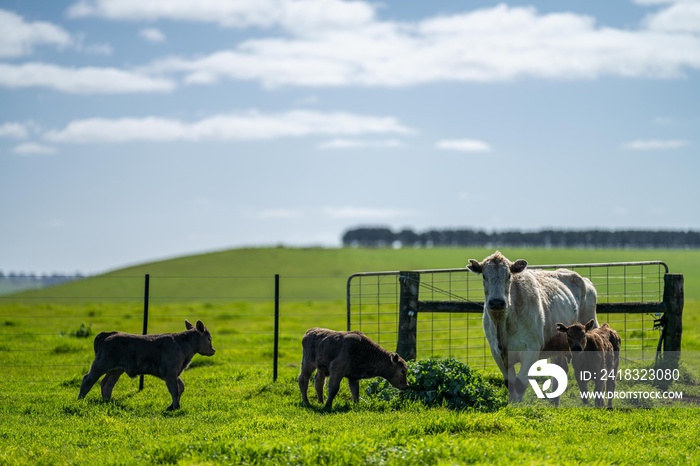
<point>146,293</point>
<point>408,315</point>
<point>275,350</point>
<point>673,301</point>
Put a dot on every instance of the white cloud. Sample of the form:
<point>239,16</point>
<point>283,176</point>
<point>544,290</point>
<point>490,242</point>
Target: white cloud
<point>13,130</point>
<point>152,35</point>
<point>360,144</point>
<point>277,214</point>
<point>365,213</point>
<point>501,43</point>
<point>250,125</point>
<point>19,38</point>
<point>678,17</point>
<point>463,145</point>
<point>655,144</point>
<point>661,2</point>
<point>31,148</point>
<point>337,213</point>
<point>87,80</point>
<point>300,16</point>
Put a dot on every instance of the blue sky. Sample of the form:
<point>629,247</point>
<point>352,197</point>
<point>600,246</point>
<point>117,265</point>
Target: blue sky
<point>140,130</point>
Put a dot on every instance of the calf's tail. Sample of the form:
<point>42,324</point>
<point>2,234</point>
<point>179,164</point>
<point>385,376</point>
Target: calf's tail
<point>100,338</point>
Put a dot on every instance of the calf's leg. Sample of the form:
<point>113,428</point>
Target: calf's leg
<point>303,380</point>
<point>90,378</point>
<point>610,387</point>
<point>600,390</point>
<point>354,385</point>
<point>319,381</point>
<point>582,384</point>
<point>333,387</point>
<point>180,387</point>
<point>173,387</point>
<point>108,383</point>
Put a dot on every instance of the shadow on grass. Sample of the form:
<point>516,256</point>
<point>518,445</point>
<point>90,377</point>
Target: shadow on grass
<point>338,408</point>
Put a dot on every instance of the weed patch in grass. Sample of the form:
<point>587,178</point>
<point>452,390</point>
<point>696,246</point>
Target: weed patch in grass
<point>66,348</point>
<point>444,382</point>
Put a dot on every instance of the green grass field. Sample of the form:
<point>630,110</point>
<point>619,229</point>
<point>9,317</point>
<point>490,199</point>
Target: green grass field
<point>234,413</point>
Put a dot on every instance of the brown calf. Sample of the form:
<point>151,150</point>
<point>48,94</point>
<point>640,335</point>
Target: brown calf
<point>345,354</point>
<point>164,355</point>
<point>595,354</point>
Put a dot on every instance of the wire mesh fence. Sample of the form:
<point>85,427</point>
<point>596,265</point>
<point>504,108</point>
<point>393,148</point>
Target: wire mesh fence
<point>450,326</point>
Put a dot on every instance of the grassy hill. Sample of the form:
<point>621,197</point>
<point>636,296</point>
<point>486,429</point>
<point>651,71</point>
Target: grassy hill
<point>315,273</point>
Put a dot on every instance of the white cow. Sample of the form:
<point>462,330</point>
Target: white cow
<point>521,309</point>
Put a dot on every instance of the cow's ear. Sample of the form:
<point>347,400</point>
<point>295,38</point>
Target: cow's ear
<point>561,327</point>
<point>518,266</point>
<point>200,327</point>
<point>590,324</point>
<point>188,325</point>
<point>474,266</point>
<point>395,358</point>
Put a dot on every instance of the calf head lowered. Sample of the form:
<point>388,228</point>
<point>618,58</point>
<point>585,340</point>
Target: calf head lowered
<point>497,272</point>
<point>396,374</point>
<point>163,355</point>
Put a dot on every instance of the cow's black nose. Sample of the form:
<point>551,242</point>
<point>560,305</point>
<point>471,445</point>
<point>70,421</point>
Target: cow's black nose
<point>497,303</point>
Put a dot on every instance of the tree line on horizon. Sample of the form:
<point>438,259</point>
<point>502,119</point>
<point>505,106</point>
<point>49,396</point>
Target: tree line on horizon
<point>377,237</point>
<point>13,282</point>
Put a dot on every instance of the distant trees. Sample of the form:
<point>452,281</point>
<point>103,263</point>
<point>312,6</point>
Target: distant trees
<point>13,282</point>
<point>618,239</point>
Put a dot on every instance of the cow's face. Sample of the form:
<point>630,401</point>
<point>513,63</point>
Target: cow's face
<point>497,273</point>
<point>399,371</point>
<point>205,347</point>
<point>576,335</point>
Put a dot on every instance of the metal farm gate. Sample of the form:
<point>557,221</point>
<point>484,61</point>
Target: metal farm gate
<point>437,313</point>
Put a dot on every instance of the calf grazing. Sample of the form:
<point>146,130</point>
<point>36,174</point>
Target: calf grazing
<point>597,352</point>
<point>164,355</point>
<point>345,354</point>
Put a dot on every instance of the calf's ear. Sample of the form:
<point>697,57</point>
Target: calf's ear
<point>561,327</point>
<point>188,325</point>
<point>590,324</point>
<point>395,358</point>
<point>474,266</point>
<point>518,266</point>
<point>200,326</point>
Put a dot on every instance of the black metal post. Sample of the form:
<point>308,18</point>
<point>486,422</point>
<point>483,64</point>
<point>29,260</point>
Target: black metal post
<point>146,293</point>
<point>275,350</point>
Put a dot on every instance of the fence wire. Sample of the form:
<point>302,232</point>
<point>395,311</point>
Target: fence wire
<point>373,301</point>
<point>46,336</point>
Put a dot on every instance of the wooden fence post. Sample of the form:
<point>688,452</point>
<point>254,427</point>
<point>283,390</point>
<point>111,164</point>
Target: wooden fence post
<point>408,314</point>
<point>673,302</point>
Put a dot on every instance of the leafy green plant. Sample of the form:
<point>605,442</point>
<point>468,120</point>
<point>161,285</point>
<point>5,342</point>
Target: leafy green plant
<point>84,331</point>
<point>444,382</point>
